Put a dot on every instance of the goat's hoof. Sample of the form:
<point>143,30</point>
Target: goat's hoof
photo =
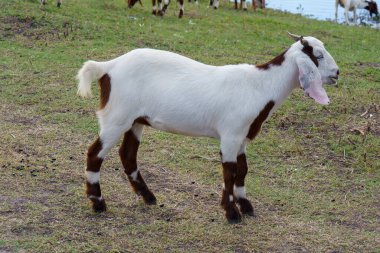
<point>160,13</point>
<point>154,12</point>
<point>233,215</point>
<point>180,14</point>
<point>245,9</point>
<point>58,5</point>
<point>149,198</point>
<point>246,207</point>
<point>99,206</point>
<point>215,8</point>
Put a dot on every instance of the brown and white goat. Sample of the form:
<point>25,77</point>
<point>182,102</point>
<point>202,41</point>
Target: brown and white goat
<point>160,11</point>
<point>352,5</point>
<point>59,2</point>
<point>173,93</point>
<point>243,4</point>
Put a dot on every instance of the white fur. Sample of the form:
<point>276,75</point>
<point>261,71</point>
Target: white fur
<point>92,177</point>
<point>180,95</point>
<point>239,192</point>
<point>134,175</point>
<point>95,197</point>
<point>231,198</point>
<point>350,5</point>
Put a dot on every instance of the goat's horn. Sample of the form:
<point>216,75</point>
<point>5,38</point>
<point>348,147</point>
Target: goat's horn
<point>294,37</point>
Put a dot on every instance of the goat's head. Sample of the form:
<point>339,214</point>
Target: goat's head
<point>372,8</point>
<point>131,3</point>
<point>315,66</point>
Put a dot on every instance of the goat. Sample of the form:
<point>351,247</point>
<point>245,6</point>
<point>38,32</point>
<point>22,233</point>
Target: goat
<point>43,2</point>
<point>170,92</point>
<point>352,5</point>
<point>243,4</point>
<point>161,10</point>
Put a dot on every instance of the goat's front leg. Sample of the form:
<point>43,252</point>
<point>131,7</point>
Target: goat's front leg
<point>355,16</point>
<point>154,7</point>
<point>239,189</point>
<point>346,8</point>
<point>182,8</point>
<point>229,151</point>
<point>166,4</point>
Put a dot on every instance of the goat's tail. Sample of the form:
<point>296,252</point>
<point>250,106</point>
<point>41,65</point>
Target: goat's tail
<point>90,72</point>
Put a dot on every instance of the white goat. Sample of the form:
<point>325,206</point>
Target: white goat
<point>173,93</point>
<point>352,5</point>
<point>43,2</point>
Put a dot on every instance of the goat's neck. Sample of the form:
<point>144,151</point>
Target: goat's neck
<point>278,81</point>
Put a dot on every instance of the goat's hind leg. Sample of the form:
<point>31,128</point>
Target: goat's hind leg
<point>128,154</point>
<point>95,155</point>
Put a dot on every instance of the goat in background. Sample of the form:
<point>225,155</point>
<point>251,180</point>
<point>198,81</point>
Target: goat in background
<point>352,5</point>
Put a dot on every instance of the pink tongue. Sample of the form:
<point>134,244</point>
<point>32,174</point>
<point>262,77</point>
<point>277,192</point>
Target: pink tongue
<point>318,93</point>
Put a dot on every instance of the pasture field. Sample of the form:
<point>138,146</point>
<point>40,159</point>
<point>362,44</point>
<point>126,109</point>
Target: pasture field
<point>313,170</point>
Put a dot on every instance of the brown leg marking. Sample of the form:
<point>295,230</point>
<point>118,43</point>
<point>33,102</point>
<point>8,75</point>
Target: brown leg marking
<point>181,2</point>
<point>128,154</point>
<point>232,212</point>
<point>93,165</point>
<point>242,169</point>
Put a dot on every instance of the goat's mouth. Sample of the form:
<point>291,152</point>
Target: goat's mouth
<point>333,80</point>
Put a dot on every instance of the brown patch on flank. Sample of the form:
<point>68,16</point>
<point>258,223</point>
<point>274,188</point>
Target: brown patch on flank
<point>93,161</point>
<point>105,90</point>
<point>277,61</point>
<point>142,120</point>
<point>256,125</point>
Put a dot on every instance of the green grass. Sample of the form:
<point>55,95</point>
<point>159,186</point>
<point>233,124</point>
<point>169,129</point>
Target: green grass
<point>314,170</point>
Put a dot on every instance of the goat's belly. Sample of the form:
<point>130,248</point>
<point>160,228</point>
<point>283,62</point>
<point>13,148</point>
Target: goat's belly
<point>183,128</point>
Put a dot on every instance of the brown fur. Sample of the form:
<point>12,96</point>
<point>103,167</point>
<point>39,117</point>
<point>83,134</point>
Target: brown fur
<point>308,50</point>
<point>143,121</point>
<point>256,125</point>
<point>242,170</point>
<point>93,164</point>
<point>229,173</point>
<point>93,161</point>
<point>128,154</point>
<point>277,61</point>
<point>105,90</point>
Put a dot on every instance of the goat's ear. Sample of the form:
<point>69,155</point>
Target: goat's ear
<point>294,37</point>
<point>311,81</point>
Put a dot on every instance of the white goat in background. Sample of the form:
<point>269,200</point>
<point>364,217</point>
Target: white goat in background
<point>176,94</point>
<point>352,5</point>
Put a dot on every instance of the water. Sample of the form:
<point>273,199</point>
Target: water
<point>319,9</point>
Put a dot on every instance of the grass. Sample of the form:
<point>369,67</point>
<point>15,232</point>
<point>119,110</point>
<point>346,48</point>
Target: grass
<point>314,170</point>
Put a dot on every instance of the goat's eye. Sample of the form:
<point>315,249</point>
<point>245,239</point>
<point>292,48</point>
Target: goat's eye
<point>320,57</point>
